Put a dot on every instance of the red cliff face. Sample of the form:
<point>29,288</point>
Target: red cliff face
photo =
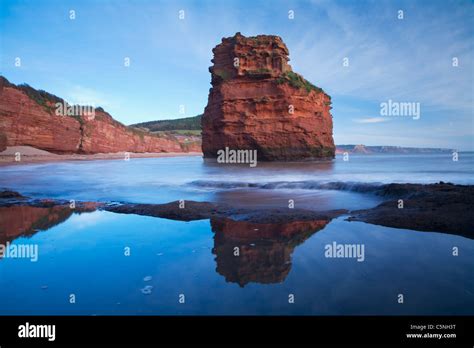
<point>104,134</point>
<point>25,122</point>
<point>3,142</point>
<point>257,102</point>
<point>27,117</point>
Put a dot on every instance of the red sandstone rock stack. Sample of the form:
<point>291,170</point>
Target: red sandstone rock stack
<point>27,117</point>
<point>258,103</point>
<point>3,142</point>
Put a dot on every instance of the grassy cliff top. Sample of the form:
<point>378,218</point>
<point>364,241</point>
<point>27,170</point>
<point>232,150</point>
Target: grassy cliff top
<point>298,81</point>
<point>188,123</point>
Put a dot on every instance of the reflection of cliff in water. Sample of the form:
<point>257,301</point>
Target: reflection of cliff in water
<point>264,249</point>
<point>24,220</point>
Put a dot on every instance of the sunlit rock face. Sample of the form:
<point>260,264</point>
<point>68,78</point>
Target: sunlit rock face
<point>257,102</point>
<point>29,117</point>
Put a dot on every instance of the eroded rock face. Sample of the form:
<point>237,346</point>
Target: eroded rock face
<point>258,103</point>
<point>27,117</point>
<point>3,142</point>
<point>25,122</point>
<point>104,134</point>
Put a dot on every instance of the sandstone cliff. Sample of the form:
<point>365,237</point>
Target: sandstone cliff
<point>257,102</point>
<point>27,117</point>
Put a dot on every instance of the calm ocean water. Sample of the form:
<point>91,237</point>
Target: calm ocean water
<point>83,254</point>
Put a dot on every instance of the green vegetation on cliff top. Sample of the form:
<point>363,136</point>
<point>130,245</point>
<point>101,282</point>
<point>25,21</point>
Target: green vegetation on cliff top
<point>298,81</point>
<point>188,123</point>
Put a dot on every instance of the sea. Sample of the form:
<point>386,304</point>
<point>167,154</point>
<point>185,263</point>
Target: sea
<point>104,263</point>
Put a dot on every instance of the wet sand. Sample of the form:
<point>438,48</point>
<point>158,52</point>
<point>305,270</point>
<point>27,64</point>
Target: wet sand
<point>30,155</point>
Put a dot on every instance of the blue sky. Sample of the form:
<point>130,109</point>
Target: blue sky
<point>405,60</point>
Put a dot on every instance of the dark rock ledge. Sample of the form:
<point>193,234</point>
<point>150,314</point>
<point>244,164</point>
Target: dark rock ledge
<point>441,207</point>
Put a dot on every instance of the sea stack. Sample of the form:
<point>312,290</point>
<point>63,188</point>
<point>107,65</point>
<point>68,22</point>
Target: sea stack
<point>258,103</point>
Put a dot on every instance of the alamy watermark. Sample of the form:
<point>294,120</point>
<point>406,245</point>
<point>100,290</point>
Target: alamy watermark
<point>19,251</point>
<point>237,156</point>
<point>28,330</point>
<point>335,250</point>
<point>404,109</point>
<point>65,109</point>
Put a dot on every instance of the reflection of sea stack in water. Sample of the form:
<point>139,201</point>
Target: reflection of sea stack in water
<point>264,250</point>
<point>258,103</point>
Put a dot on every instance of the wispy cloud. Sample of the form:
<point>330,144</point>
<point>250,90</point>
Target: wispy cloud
<point>87,96</point>
<point>408,59</point>
<point>371,120</point>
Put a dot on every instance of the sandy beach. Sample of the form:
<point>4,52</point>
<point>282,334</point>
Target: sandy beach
<point>29,154</point>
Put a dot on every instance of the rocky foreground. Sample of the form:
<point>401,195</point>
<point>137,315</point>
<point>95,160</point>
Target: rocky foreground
<point>441,207</point>
<point>265,238</point>
<point>265,249</point>
<point>258,103</point>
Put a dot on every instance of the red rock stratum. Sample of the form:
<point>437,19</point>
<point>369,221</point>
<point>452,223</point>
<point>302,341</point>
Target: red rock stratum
<point>258,103</point>
<point>28,117</point>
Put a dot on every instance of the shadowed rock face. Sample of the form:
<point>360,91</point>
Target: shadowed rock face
<point>3,142</point>
<point>441,207</point>
<point>257,102</point>
<point>205,210</point>
<point>264,250</point>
